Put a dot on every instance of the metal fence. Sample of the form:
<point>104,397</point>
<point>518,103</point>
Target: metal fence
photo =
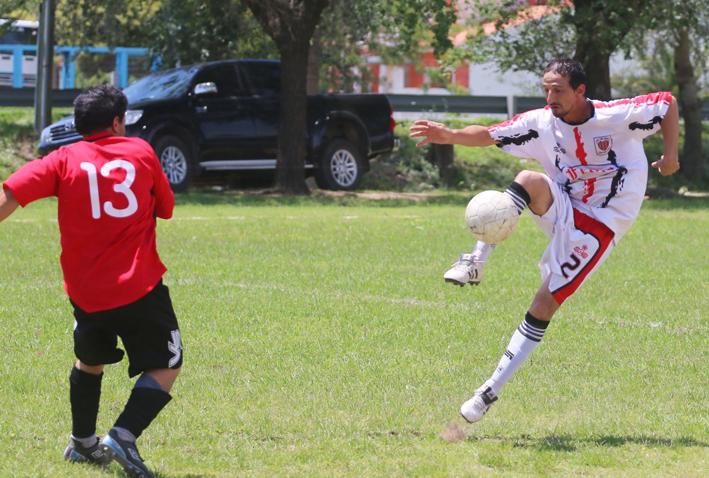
<point>498,105</point>
<point>25,97</point>
<point>492,105</point>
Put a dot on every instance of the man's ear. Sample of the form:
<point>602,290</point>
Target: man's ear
<point>581,90</point>
<point>116,124</point>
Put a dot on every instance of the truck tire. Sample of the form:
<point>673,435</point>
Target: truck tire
<point>176,161</point>
<point>340,167</point>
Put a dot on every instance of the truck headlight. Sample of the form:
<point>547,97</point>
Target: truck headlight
<point>46,135</point>
<point>132,116</point>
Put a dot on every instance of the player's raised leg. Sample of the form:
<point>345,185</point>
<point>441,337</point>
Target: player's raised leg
<point>468,269</point>
<point>149,396</point>
<point>85,394</point>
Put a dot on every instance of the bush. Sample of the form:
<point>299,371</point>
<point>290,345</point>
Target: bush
<point>408,169</point>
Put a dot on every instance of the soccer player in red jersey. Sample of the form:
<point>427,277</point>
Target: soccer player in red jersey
<point>110,190</point>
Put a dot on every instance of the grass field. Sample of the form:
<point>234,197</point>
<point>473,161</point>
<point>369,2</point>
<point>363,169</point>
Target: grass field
<point>320,340</point>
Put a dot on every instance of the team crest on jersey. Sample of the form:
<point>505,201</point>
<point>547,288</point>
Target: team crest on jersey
<point>603,144</point>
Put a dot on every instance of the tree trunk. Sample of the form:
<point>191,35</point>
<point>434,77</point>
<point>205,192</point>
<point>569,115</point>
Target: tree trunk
<point>692,157</point>
<point>313,83</point>
<point>442,156</point>
<point>597,67</point>
<point>290,172</point>
<point>600,27</point>
<point>291,25</point>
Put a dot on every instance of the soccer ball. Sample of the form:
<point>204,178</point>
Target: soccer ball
<point>491,216</point>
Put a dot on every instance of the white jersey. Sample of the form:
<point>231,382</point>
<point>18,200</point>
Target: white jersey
<point>600,163</point>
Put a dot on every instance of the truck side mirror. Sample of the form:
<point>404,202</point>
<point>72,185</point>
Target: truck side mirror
<point>205,88</point>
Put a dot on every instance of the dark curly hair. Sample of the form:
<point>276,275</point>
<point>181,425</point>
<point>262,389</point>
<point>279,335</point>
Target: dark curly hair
<point>96,107</point>
<point>569,69</point>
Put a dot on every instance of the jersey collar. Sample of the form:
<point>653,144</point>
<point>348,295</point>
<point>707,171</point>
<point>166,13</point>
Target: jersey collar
<point>97,136</point>
<point>593,113</point>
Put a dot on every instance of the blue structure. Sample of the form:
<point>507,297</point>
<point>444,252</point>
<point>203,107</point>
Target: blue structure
<point>68,69</point>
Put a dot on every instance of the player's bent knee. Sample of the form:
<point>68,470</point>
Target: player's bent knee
<point>532,179</point>
<point>537,187</point>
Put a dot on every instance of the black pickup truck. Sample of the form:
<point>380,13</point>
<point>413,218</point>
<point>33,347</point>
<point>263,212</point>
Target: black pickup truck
<point>224,116</point>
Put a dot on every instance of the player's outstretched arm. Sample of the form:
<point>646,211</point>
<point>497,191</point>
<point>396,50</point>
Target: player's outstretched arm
<point>8,204</point>
<point>669,162</point>
<point>438,133</point>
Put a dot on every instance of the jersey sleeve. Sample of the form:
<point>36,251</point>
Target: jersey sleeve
<point>644,113</point>
<point>36,180</point>
<point>164,197</point>
<point>518,136</point>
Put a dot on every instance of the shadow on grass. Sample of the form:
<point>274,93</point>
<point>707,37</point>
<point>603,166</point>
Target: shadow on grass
<point>189,475</point>
<point>571,444</point>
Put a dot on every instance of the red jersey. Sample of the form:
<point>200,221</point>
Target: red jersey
<point>110,191</point>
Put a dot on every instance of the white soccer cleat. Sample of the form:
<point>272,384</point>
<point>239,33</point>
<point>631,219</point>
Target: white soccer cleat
<point>466,270</point>
<point>475,409</point>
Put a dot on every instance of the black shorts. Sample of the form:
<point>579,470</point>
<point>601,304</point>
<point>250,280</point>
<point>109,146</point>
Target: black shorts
<point>148,328</point>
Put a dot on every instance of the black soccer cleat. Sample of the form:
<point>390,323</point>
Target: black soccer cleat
<point>126,454</point>
<point>93,455</point>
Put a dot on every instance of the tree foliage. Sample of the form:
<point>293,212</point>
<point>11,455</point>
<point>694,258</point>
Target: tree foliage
<point>589,31</point>
<point>194,31</point>
<point>394,30</point>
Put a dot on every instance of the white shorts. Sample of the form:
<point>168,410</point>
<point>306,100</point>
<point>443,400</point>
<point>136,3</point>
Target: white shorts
<point>579,244</point>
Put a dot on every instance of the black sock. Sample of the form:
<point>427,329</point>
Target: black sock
<point>84,395</point>
<point>519,195</point>
<point>143,406</point>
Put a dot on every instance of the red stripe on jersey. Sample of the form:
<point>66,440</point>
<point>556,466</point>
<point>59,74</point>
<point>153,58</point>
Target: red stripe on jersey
<point>651,99</point>
<point>590,187</point>
<point>603,235</point>
<point>580,151</point>
<point>495,127</point>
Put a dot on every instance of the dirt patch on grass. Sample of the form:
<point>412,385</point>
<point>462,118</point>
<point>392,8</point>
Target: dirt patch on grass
<point>454,432</point>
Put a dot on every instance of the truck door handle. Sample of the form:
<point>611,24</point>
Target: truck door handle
<point>201,109</point>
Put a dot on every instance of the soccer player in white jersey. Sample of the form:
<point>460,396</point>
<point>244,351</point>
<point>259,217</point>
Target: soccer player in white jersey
<point>594,183</point>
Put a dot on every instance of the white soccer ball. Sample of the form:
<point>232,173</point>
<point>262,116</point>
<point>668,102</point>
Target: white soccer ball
<point>491,216</point>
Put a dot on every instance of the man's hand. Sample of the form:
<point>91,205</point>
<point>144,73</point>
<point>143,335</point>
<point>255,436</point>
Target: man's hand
<point>434,132</point>
<point>666,166</point>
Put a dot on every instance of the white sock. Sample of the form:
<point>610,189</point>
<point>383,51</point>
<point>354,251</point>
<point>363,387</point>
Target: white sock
<point>482,250</point>
<point>87,442</point>
<point>524,340</point>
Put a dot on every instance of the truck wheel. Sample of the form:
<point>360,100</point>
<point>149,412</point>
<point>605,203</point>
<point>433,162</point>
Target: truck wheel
<point>340,167</point>
<point>176,161</point>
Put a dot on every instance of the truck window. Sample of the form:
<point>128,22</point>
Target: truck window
<point>264,78</point>
<point>225,77</point>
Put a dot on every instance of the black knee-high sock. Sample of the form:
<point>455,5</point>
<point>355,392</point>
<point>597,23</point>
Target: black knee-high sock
<point>85,395</point>
<point>519,195</point>
<point>143,406</point>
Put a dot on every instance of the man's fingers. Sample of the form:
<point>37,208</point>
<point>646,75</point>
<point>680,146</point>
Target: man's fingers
<point>425,141</point>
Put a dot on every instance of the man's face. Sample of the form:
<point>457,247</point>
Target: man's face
<point>560,97</point>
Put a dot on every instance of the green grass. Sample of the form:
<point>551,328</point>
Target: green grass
<point>320,340</point>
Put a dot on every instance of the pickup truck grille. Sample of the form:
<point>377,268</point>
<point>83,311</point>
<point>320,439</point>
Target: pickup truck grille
<point>61,132</point>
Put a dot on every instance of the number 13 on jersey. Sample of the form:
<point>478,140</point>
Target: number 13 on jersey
<point>122,188</point>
